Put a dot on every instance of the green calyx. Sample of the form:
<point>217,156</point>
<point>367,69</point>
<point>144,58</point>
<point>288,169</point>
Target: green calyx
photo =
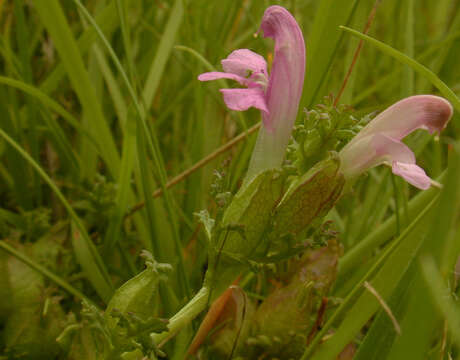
<point>308,198</point>
<point>137,295</point>
<point>265,222</point>
<point>326,127</point>
<point>123,330</point>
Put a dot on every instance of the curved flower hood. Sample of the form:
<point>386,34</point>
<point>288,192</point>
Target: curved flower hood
<point>380,140</point>
<point>277,94</point>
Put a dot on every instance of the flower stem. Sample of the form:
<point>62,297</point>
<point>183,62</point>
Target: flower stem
<point>196,305</point>
<point>268,152</point>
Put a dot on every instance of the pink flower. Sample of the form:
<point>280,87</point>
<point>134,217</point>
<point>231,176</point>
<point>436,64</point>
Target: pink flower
<point>277,94</point>
<point>236,67</point>
<point>380,140</point>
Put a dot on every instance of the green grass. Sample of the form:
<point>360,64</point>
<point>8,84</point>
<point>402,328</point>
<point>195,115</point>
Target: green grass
<point>101,105</point>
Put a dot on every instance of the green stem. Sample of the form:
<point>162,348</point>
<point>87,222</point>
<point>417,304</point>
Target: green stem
<point>196,305</point>
<point>269,151</point>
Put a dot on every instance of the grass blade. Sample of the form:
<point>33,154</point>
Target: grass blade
<point>424,71</point>
<point>97,273</point>
<point>396,260</point>
<point>44,271</point>
<point>323,43</point>
<point>54,20</point>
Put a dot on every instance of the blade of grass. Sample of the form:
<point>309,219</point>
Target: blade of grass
<point>182,176</point>
<point>324,42</point>
<point>129,154</point>
<point>62,144</point>
<point>407,84</point>
<point>383,233</point>
<point>158,65</point>
<point>393,263</point>
<point>436,245</point>
<point>22,37</point>
<point>50,103</point>
<point>17,170</point>
<point>393,76</point>
<point>96,272</point>
<point>416,66</point>
<point>107,20</point>
<point>45,272</point>
<point>153,145</point>
<point>448,42</point>
<point>55,22</point>
<point>441,296</point>
<point>163,52</point>
<point>381,335</point>
<point>349,79</point>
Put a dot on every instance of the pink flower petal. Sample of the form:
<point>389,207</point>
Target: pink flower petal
<point>427,112</point>
<point>391,150</point>
<point>243,99</point>
<point>278,97</point>
<point>288,70</point>
<point>241,61</point>
<point>373,150</point>
<point>215,75</point>
<point>283,92</point>
<point>412,173</point>
<point>380,140</point>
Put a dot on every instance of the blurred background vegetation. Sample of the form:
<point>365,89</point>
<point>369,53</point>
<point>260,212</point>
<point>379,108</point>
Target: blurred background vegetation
<point>100,106</point>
